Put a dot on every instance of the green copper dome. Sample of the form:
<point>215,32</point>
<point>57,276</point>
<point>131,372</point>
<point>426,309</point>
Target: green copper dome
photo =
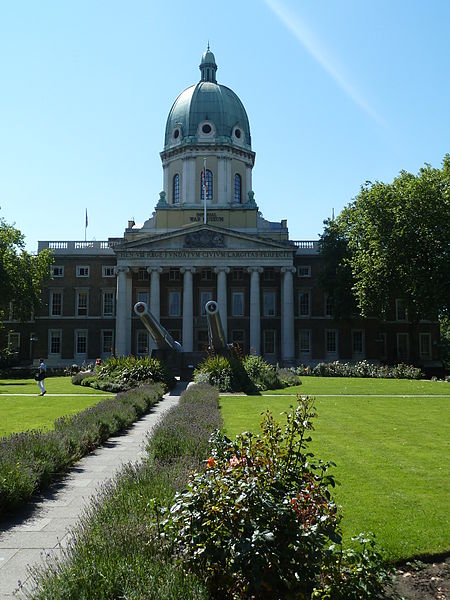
<point>207,113</point>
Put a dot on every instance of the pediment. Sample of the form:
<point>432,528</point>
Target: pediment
<point>200,237</point>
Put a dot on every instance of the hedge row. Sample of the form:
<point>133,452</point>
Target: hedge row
<point>29,461</point>
<point>361,369</point>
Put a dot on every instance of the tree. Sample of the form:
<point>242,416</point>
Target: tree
<point>336,277</point>
<point>21,274</point>
<point>398,239</point>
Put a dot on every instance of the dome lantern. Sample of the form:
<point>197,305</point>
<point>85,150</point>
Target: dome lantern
<point>208,66</point>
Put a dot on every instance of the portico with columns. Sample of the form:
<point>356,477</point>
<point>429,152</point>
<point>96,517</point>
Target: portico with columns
<point>220,253</point>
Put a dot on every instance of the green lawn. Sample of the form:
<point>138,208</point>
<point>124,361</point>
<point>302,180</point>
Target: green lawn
<point>392,455</point>
<point>21,408</point>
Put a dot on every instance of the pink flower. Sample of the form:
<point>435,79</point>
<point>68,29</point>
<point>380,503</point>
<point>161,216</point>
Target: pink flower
<point>234,461</point>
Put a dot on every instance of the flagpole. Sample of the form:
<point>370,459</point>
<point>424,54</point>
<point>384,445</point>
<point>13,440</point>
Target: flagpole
<point>204,191</point>
<point>85,225</point>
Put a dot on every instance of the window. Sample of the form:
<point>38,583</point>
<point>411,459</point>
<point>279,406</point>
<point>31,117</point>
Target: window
<point>54,341</point>
<point>401,309</point>
<point>57,271</point>
<point>238,337</point>
<point>174,303</point>
<point>269,304</point>
<point>206,275</point>
<point>381,339</point>
<point>269,341</point>
<point>303,271</point>
<point>107,271</point>
<point>143,274</point>
<point>237,188</point>
<point>81,336</point>
<point>303,304</point>
<point>55,304</point>
<point>269,274</point>
<point>205,296</point>
<point>13,341</point>
<point>142,296</point>
<point>209,185</point>
<point>141,342</point>
<point>402,346</point>
<point>82,303</point>
<point>329,306</point>
<point>176,189</point>
<point>108,303</point>
<point>425,346</point>
<point>82,271</point>
<point>304,339</point>
<point>331,341</point>
<point>237,274</point>
<point>237,304</point>
<point>174,274</point>
<point>107,342</point>
<point>357,343</point>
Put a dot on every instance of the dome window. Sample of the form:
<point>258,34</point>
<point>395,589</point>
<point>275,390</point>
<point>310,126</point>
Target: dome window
<point>176,189</point>
<point>206,128</point>
<point>237,188</point>
<point>207,189</point>
<point>237,133</point>
<point>176,134</point>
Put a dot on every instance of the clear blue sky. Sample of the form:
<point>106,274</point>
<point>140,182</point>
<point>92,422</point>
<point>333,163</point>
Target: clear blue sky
<point>337,92</point>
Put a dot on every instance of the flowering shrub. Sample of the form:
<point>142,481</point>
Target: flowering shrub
<point>361,369</point>
<point>262,374</point>
<point>217,371</point>
<point>125,372</point>
<point>259,520</point>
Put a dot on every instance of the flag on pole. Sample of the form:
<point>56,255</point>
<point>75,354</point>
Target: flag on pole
<point>86,224</point>
<point>205,189</point>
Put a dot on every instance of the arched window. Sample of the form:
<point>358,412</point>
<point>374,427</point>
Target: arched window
<point>176,189</point>
<point>209,185</point>
<point>237,188</point>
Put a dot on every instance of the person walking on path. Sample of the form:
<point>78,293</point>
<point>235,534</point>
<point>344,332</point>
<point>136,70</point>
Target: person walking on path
<point>40,377</point>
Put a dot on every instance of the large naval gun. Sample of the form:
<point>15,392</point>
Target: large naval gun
<point>162,337</point>
<point>216,333</point>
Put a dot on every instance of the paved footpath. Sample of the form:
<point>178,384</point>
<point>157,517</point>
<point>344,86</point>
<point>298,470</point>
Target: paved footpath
<point>41,529</point>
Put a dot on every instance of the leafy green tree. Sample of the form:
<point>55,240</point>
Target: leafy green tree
<point>336,277</point>
<point>21,274</point>
<point>398,241</point>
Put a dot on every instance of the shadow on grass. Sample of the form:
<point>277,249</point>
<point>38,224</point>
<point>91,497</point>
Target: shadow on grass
<point>18,383</point>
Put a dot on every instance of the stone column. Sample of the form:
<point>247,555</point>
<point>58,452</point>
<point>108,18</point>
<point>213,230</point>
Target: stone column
<point>222,296</point>
<point>188,309</point>
<point>287,308</point>
<point>123,312</point>
<point>255,312</point>
<point>154,298</point>
<point>247,187</point>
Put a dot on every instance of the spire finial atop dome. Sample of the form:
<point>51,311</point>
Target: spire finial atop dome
<point>208,66</point>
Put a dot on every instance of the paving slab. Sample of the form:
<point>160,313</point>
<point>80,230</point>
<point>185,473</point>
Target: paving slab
<point>41,531</point>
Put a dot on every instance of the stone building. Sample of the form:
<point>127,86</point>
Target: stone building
<point>206,239</point>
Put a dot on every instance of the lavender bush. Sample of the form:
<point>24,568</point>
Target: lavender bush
<point>119,535</point>
<point>31,460</point>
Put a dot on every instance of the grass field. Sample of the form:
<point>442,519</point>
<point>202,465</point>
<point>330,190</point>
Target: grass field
<point>391,446</point>
<point>21,408</point>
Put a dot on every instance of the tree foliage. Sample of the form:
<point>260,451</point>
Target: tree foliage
<point>397,237</point>
<point>21,274</point>
<point>336,276</point>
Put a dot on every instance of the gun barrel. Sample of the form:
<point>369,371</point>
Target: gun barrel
<point>215,329</point>
<point>161,336</point>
